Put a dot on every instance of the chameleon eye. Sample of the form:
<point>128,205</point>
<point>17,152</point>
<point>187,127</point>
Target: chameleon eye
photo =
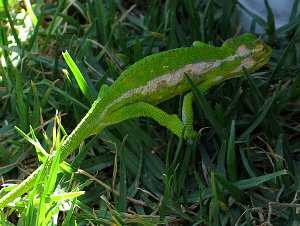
<point>242,49</point>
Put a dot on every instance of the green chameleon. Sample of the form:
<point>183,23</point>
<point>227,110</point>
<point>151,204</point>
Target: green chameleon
<point>157,78</point>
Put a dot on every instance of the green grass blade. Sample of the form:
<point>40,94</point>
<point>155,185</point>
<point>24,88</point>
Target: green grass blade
<point>84,87</point>
<point>283,56</point>
<point>22,107</point>
<point>256,181</point>
<point>231,154</point>
<point>234,191</point>
<point>207,110</point>
<point>100,21</point>
<point>262,113</point>
<point>30,12</point>
<point>11,23</point>
<point>246,163</point>
<point>294,11</point>
<point>122,199</point>
<point>271,30</point>
<point>214,206</point>
<point>34,35</point>
<point>258,19</point>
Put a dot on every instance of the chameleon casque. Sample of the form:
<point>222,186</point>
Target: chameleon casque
<point>157,78</point>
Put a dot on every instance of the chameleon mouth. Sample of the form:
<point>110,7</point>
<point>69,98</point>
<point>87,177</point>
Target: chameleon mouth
<point>263,57</point>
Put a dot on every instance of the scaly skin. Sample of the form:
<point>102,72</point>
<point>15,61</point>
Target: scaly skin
<point>157,78</point>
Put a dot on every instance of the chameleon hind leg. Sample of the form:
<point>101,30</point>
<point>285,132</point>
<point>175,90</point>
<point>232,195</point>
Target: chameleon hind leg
<point>142,109</point>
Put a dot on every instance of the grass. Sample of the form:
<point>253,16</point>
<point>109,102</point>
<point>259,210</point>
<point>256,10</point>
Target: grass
<point>243,170</point>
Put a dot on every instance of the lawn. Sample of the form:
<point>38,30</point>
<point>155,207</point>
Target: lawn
<point>58,57</point>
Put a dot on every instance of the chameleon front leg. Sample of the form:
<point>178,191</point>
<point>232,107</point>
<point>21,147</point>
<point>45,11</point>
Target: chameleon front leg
<point>187,116</point>
<point>172,122</point>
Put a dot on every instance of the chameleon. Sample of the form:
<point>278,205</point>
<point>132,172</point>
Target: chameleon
<point>155,79</point>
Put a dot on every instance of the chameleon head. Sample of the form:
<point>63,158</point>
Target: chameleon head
<point>252,52</point>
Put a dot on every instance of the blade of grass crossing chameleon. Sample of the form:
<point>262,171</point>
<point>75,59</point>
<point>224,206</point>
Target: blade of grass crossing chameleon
<point>83,85</point>
<point>207,110</point>
<point>231,154</point>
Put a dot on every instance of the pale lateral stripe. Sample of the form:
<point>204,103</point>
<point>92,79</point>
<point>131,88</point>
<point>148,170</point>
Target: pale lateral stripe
<point>171,79</point>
